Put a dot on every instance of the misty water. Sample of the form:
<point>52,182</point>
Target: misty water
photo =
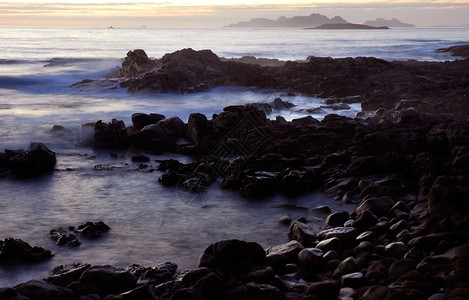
<point>150,223</point>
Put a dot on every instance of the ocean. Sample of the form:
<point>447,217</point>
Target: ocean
<point>150,223</point>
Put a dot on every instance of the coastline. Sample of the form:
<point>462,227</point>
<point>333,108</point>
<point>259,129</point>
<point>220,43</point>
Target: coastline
<point>406,166</point>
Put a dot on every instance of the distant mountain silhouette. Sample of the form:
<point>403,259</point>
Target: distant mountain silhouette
<point>347,26</point>
<point>298,21</point>
<point>390,23</point>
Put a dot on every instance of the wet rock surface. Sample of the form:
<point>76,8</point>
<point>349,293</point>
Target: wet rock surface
<point>21,164</point>
<point>405,167</point>
<point>12,250</point>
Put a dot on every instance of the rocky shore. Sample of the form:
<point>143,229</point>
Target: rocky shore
<point>406,166</point>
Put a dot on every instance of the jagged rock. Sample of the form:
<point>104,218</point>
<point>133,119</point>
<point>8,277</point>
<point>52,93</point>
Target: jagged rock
<point>136,63</point>
<point>64,275</point>
<point>35,161</point>
<point>15,249</point>
<point>153,275</point>
<point>62,237</point>
<point>92,230</point>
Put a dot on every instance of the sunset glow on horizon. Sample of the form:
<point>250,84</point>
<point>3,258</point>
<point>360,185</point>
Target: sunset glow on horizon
<point>180,13</point>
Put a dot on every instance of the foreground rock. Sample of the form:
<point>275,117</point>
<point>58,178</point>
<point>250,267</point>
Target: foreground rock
<point>21,164</point>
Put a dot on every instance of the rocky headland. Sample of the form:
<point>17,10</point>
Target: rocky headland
<point>405,164</point>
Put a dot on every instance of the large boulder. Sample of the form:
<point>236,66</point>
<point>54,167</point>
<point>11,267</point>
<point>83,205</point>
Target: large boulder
<point>204,133</point>
<point>37,160</point>
<point>110,135</point>
<point>136,63</point>
<point>15,249</point>
<point>38,289</point>
<point>232,257</point>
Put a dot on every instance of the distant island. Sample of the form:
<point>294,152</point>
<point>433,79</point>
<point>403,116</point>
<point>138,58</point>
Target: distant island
<point>318,21</point>
<point>389,23</point>
<point>347,26</point>
<point>299,21</point>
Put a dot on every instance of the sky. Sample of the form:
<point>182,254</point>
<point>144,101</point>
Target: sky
<point>181,13</point>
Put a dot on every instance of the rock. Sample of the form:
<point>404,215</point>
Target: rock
<point>325,289</point>
<point>104,280</point>
<point>135,63</point>
<point>311,258</point>
<point>396,249</point>
<point>35,161</point>
<point>383,292</point>
<point>330,244</point>
<point>367,236</point>
<point>62,237</point>
<point>142,293</point>
<point>284,220</point>
<point>110,135</point>
<point>153,275</point>
<point>140,120</point>
<point>438,296</point>
<point>232,257</point>
<point>140,158</point>
<point>365,220</point>
<point>260,185</point>
<point>337,219</point>
<point>290,250</point>
<point>264,274</point>
<point>353,280</point>
<point>346,266</point>
<point>379,206</point>
<point>415,254</point>
<point>263,291</point>
<point>330,255</point>
<point>186,294</point>
<point>322,209</point>
<point>443,195</point>
<point>347,293</point>
<point>36,289</point>
<point>429,241</point>
<point>401,267</point>
<point>399,226</point>
<point>16,249</point>
<point>297,182</point>
<point>302,233</point>
<point>204,133</point>
<point>344,234</point>
<point>64,275</point>
<point>362,247</point>
<point>92,230</point>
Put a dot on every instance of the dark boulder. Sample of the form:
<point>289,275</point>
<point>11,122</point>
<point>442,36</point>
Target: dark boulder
<point>136,62</point>
<point>16,249</point>
<point>140,120</point>
<point>104,280</point>
<point>110,135</point>
<point>232,257</point>
<point>302,233</point>
<point>36,289</point>
<point>92,230</point>
<point>35,161</point>
<point>62,237</point>
<point>153,275</point>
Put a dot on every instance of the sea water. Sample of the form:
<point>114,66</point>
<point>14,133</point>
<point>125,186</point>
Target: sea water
<point>150,223</point>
